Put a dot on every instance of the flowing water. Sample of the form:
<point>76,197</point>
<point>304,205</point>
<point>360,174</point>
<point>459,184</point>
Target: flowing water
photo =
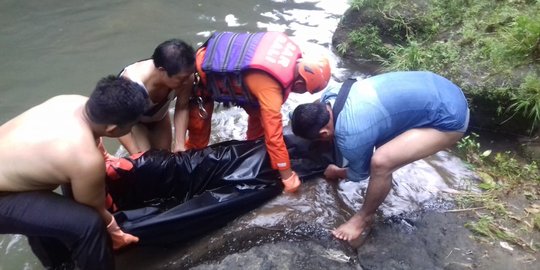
<point>52,47</point>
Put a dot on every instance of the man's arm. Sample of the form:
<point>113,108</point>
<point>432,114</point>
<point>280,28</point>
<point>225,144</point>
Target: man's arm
<point>359,159</point>
<point>87,177</point>
<point>129,144</point>
<point>88,182</point>
<point>181,115</point>
<point>270,96</point>
<point>335,173</point>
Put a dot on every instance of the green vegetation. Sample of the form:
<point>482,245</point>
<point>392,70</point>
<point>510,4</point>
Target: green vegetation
<point>527,99</point>
<point>369,39</point>
<point>502,176</point>
<point>491,48</point>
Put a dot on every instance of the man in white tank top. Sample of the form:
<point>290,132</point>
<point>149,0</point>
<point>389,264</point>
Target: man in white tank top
<point>166,76</point>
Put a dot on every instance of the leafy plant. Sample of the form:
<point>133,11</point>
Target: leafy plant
<point>368,38</point>
<point>521,39</point>
<point>358,4</point>
<point>486,226</point>
<point>527,100</point>
<point>342,48</point>
<point>438,57</point>
<point>469,148</point>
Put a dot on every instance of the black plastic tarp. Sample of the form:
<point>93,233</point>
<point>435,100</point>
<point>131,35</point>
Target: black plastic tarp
<point>169,197</point>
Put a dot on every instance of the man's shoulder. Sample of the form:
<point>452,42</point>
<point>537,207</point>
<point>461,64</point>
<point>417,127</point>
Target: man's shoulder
<point>67,99</point>
<point>80,157</point>
<point>330,92</point>
<point>136,71</point>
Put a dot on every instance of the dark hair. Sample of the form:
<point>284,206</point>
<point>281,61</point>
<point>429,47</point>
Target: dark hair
<point>174,55</point>
<point>308,119</point>
<point>116,101</point>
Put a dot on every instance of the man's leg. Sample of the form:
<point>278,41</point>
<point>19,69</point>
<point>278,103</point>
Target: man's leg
<point>160,134</point>
<point>136,141</point>
<point>50,220</point>
<point>409,146</point>
<point>50,251</point>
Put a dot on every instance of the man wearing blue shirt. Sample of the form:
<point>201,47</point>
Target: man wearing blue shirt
<point>386,122</point>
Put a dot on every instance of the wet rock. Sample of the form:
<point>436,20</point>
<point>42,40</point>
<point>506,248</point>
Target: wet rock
<point>437,241</point>
<point>306,255</point>
<point>413,230</point>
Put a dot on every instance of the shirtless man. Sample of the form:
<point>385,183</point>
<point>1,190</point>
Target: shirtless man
<point>56,143</point>
<point>386,122</point>
<point>164,77</point>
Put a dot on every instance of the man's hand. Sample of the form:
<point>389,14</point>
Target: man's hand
<point>104,152</point>
<point>292,183</point>
<point>120,239</point>
<point>334,173</point>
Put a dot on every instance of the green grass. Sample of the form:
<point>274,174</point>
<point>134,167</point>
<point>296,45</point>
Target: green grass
<point>501,174</point>
<point>526,100</point>
<point>495,42</point>
<point>536,222</point>
<point>366,40</point>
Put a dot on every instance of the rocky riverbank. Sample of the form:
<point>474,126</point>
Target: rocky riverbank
<point>293,232</point>
<point>418,227</point>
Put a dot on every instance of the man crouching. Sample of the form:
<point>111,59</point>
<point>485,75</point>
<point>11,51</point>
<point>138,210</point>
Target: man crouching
<point>56,143</point>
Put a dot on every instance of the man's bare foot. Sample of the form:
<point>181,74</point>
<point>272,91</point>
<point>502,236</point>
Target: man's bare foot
<point>356,243</point>
<point>355,230</point>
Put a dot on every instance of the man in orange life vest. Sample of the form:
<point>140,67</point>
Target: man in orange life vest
<point>257,72</point>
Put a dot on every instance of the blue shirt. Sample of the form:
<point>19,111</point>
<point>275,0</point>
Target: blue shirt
<point>381,107</point>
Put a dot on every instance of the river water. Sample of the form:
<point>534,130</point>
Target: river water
<point>51,47</point>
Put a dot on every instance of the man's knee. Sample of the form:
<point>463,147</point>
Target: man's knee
<point>88,224</point>
<point>455,137</point>
<point>94,249</point>
<point>380,164</point>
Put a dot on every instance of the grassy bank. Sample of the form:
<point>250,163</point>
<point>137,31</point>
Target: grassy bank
<point>491,48</point>
<point>508,208</point>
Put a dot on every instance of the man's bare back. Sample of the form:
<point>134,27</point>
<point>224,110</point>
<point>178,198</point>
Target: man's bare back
<point>55,143</point>
<point>40,148</point>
